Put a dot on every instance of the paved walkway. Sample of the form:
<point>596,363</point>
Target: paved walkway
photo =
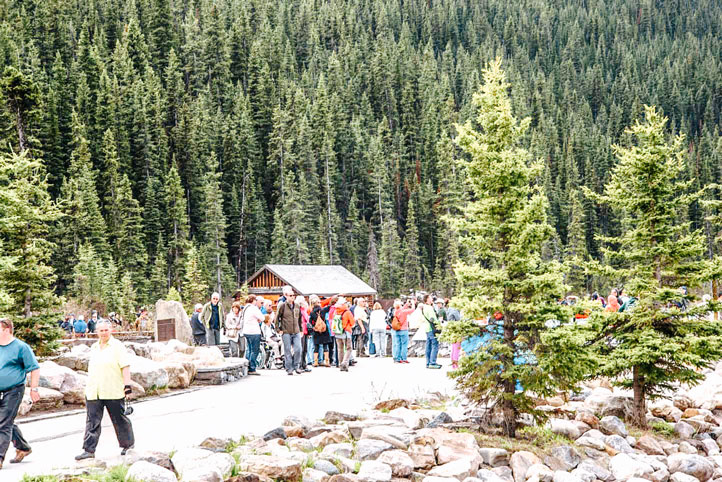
<point>253,405</point>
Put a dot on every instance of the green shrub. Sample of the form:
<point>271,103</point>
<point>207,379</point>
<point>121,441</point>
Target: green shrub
<point>663,428</point>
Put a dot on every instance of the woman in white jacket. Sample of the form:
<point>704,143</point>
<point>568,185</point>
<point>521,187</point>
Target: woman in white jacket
<point>377,327</point>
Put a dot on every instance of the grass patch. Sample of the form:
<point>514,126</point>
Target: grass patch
<point>114,474</point>
<point>357,467</point>
<point>39,478</point>
<point>538,440</point>
<point>308,464</point>
<point>233,445</point>
<point>664,429</point>
<point>384,410</point>
<point>153,391</point>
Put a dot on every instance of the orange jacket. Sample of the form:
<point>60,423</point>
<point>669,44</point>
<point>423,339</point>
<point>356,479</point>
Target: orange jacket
<point>347,318</point>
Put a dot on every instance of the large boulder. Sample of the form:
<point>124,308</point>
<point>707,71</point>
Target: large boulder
<point>402,465</point>
<point>178,376</point>
<point>568,456</point>
<point>52,375</point>
<point>520,462</point>
<point>49,399</point>
<point>422,452</point>
<point>624,467</point>
<point>191,462</point>
<point>143,471</point>
<point>207,356</point>
<point>63,379</point>
<point>370,449</point>
<point>76,359</point>
<point>165,310</point>
<point>605,402</point>
<point>374,471</point>
<point>273,467</point>
<point>690,464</point>
<point>565,427</point>
<point>73,388</point>
<point>451,446</point>
<point>494,457</point>
<point>612,425</point>
<point>458,469</point>
<point>649,445</point>
<point>148,373</point>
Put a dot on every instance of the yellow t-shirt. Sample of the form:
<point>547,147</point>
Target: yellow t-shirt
<point>105,376</point>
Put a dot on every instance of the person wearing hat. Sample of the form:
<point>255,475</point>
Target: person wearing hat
<point>16,361</point>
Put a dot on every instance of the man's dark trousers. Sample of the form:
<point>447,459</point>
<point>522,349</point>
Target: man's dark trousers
<point>9,405</point>
<point>121,423</point>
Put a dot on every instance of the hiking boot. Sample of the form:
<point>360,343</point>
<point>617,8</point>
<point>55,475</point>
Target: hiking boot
<point>125,450</point>
<point>290,373</point>
<point>85,455</point>
<point>299,371</point>
<point>435,366</point>
<point>20,455</point>
<point>315,360</point>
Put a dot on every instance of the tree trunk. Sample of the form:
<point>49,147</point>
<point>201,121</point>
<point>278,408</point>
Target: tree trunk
<point>22,140</point>
<point>639,417</point>
<point>507,406</point>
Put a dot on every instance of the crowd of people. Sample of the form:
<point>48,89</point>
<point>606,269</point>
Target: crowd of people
<point>320,332</point>
<point>80,327</point>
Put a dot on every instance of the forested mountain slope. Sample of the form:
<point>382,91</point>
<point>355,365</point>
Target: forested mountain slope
<point>191,141</point>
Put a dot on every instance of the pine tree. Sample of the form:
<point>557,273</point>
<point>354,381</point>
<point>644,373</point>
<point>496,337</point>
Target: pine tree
<point>576,256</point>
<point>26,275</point>
<point>656,347</point>
<point>505,227</point>
<point>195,285</point>
<point>214,250</point>
<point>373,274</point>
<point>410,249</point>
<point>159,281</point>
<point>82,219</point>
<point>177,224</point>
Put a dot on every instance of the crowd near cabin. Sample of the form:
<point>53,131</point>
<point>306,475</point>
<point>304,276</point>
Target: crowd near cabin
<point>306,280</point>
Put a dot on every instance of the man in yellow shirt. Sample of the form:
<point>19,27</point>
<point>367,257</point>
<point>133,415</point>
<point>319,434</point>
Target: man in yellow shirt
<point>108,385</point>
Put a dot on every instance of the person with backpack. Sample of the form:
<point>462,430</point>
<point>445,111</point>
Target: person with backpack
<point>320,331</point>
<point>400,330</point>
<point>342,325</point>
<point>289,327</point>
<point>431,325</point>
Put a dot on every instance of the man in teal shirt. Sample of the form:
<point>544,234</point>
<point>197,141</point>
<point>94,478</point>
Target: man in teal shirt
<point>16,361</point>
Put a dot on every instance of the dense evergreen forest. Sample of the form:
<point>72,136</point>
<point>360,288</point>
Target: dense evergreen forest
<point>187,142</point>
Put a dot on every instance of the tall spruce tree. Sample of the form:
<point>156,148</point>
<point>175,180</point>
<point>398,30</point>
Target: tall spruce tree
<point>657,343</point>
<point>505,227</point>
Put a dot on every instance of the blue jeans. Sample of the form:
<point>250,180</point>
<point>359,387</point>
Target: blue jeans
<point>400,344</point>
<point>253,343</point>
<point>309,350</point>
<point>292,351</point>
<point>432,348</point>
